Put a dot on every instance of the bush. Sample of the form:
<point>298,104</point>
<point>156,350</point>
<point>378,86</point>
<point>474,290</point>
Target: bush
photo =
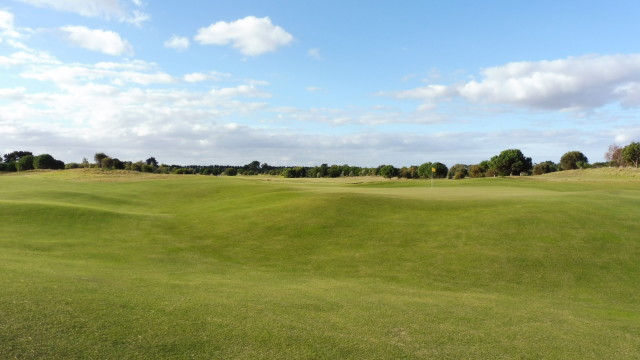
<point>571,159</point>
<point>230,172</point>
<point>388,171</point>
<point>544,168</point>
<point>476,171</point>
<point>458,168</point>
<point>25,163</point>
<point>44,161</point>
<point>491,173</point>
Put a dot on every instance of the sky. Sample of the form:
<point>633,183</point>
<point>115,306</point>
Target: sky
<point>309,82</point>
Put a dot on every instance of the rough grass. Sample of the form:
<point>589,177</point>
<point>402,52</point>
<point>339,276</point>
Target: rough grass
<point>120,265</point>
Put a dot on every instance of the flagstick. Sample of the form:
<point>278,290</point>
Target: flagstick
<point>433,171</point>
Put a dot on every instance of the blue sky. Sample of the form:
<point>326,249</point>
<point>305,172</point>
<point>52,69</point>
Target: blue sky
<point>304,83</point>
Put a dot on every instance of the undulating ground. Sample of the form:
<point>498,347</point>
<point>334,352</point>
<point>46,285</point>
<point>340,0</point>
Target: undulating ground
<point>113,265</point>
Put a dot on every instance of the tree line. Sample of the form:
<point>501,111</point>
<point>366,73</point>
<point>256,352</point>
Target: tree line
<point>509,162</point>
<point>25,160</point>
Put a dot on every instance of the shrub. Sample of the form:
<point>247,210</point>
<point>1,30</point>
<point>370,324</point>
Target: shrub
<point>570,160</point>
<point>230,172</point>
<point>25,163</point>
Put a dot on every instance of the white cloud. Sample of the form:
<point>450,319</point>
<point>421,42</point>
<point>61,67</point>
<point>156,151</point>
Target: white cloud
<point>7,27</point>
<point>210,76</point>
<point>104,41</point>
<point>241,90</point>
<point>64,76</point>
<point>315,53</point>
<point>12,93</point>
<point>6,20</point>
<point>251,36</point>
<point>179,43</point>
<point>107,9</point>
<point>574,83</point>
<point>25,58</point>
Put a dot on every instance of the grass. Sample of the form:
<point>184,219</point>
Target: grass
<point>130,266</point>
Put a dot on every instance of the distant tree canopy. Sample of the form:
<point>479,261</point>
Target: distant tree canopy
<point>508,163</point>
<point>24,160</point>
<point>511,162</point>
<point>573,160</point>
<point>14,156</point>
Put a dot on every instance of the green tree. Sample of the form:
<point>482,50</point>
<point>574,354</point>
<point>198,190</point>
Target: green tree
<point>14,156</point>
<point>10,166</point>
<point>510,162</point>
<point>334,171</point>
<point>106,163</point>
<point>410,172</point>
<point>571,159</point>
<point>459,171</point>
<point>98,157</point>
<point>441,170</point>
<point>25,163</point>
<point>544,167</point>
<point>631,153</point>
<point>44,161</point>
<point>424,170</point>
<point>230,171</point>
<point>152,161</point>
<point>388,171</point>
<point>476,171</point>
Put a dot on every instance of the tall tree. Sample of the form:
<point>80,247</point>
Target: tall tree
<point>14,156</point>
<point>98,157</point>
<point>631,153</point>
<point>511,162</point>
<point>152,161</point>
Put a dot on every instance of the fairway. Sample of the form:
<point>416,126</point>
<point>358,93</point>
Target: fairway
<point>119,265</point>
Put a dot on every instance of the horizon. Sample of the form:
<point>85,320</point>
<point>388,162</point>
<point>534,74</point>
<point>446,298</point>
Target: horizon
<point>306,84</point>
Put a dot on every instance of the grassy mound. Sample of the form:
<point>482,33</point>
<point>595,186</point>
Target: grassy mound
<point>124,265</point>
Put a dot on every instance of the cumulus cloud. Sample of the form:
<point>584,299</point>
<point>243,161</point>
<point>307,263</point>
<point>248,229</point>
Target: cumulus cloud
<point>104,41</point>
<point>108,9</point>
<point>179,43</point>
<point>251,36</point>
<point>574,83</point>
<point>7,27</point>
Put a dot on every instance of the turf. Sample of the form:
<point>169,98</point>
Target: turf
<point>115,265</point>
